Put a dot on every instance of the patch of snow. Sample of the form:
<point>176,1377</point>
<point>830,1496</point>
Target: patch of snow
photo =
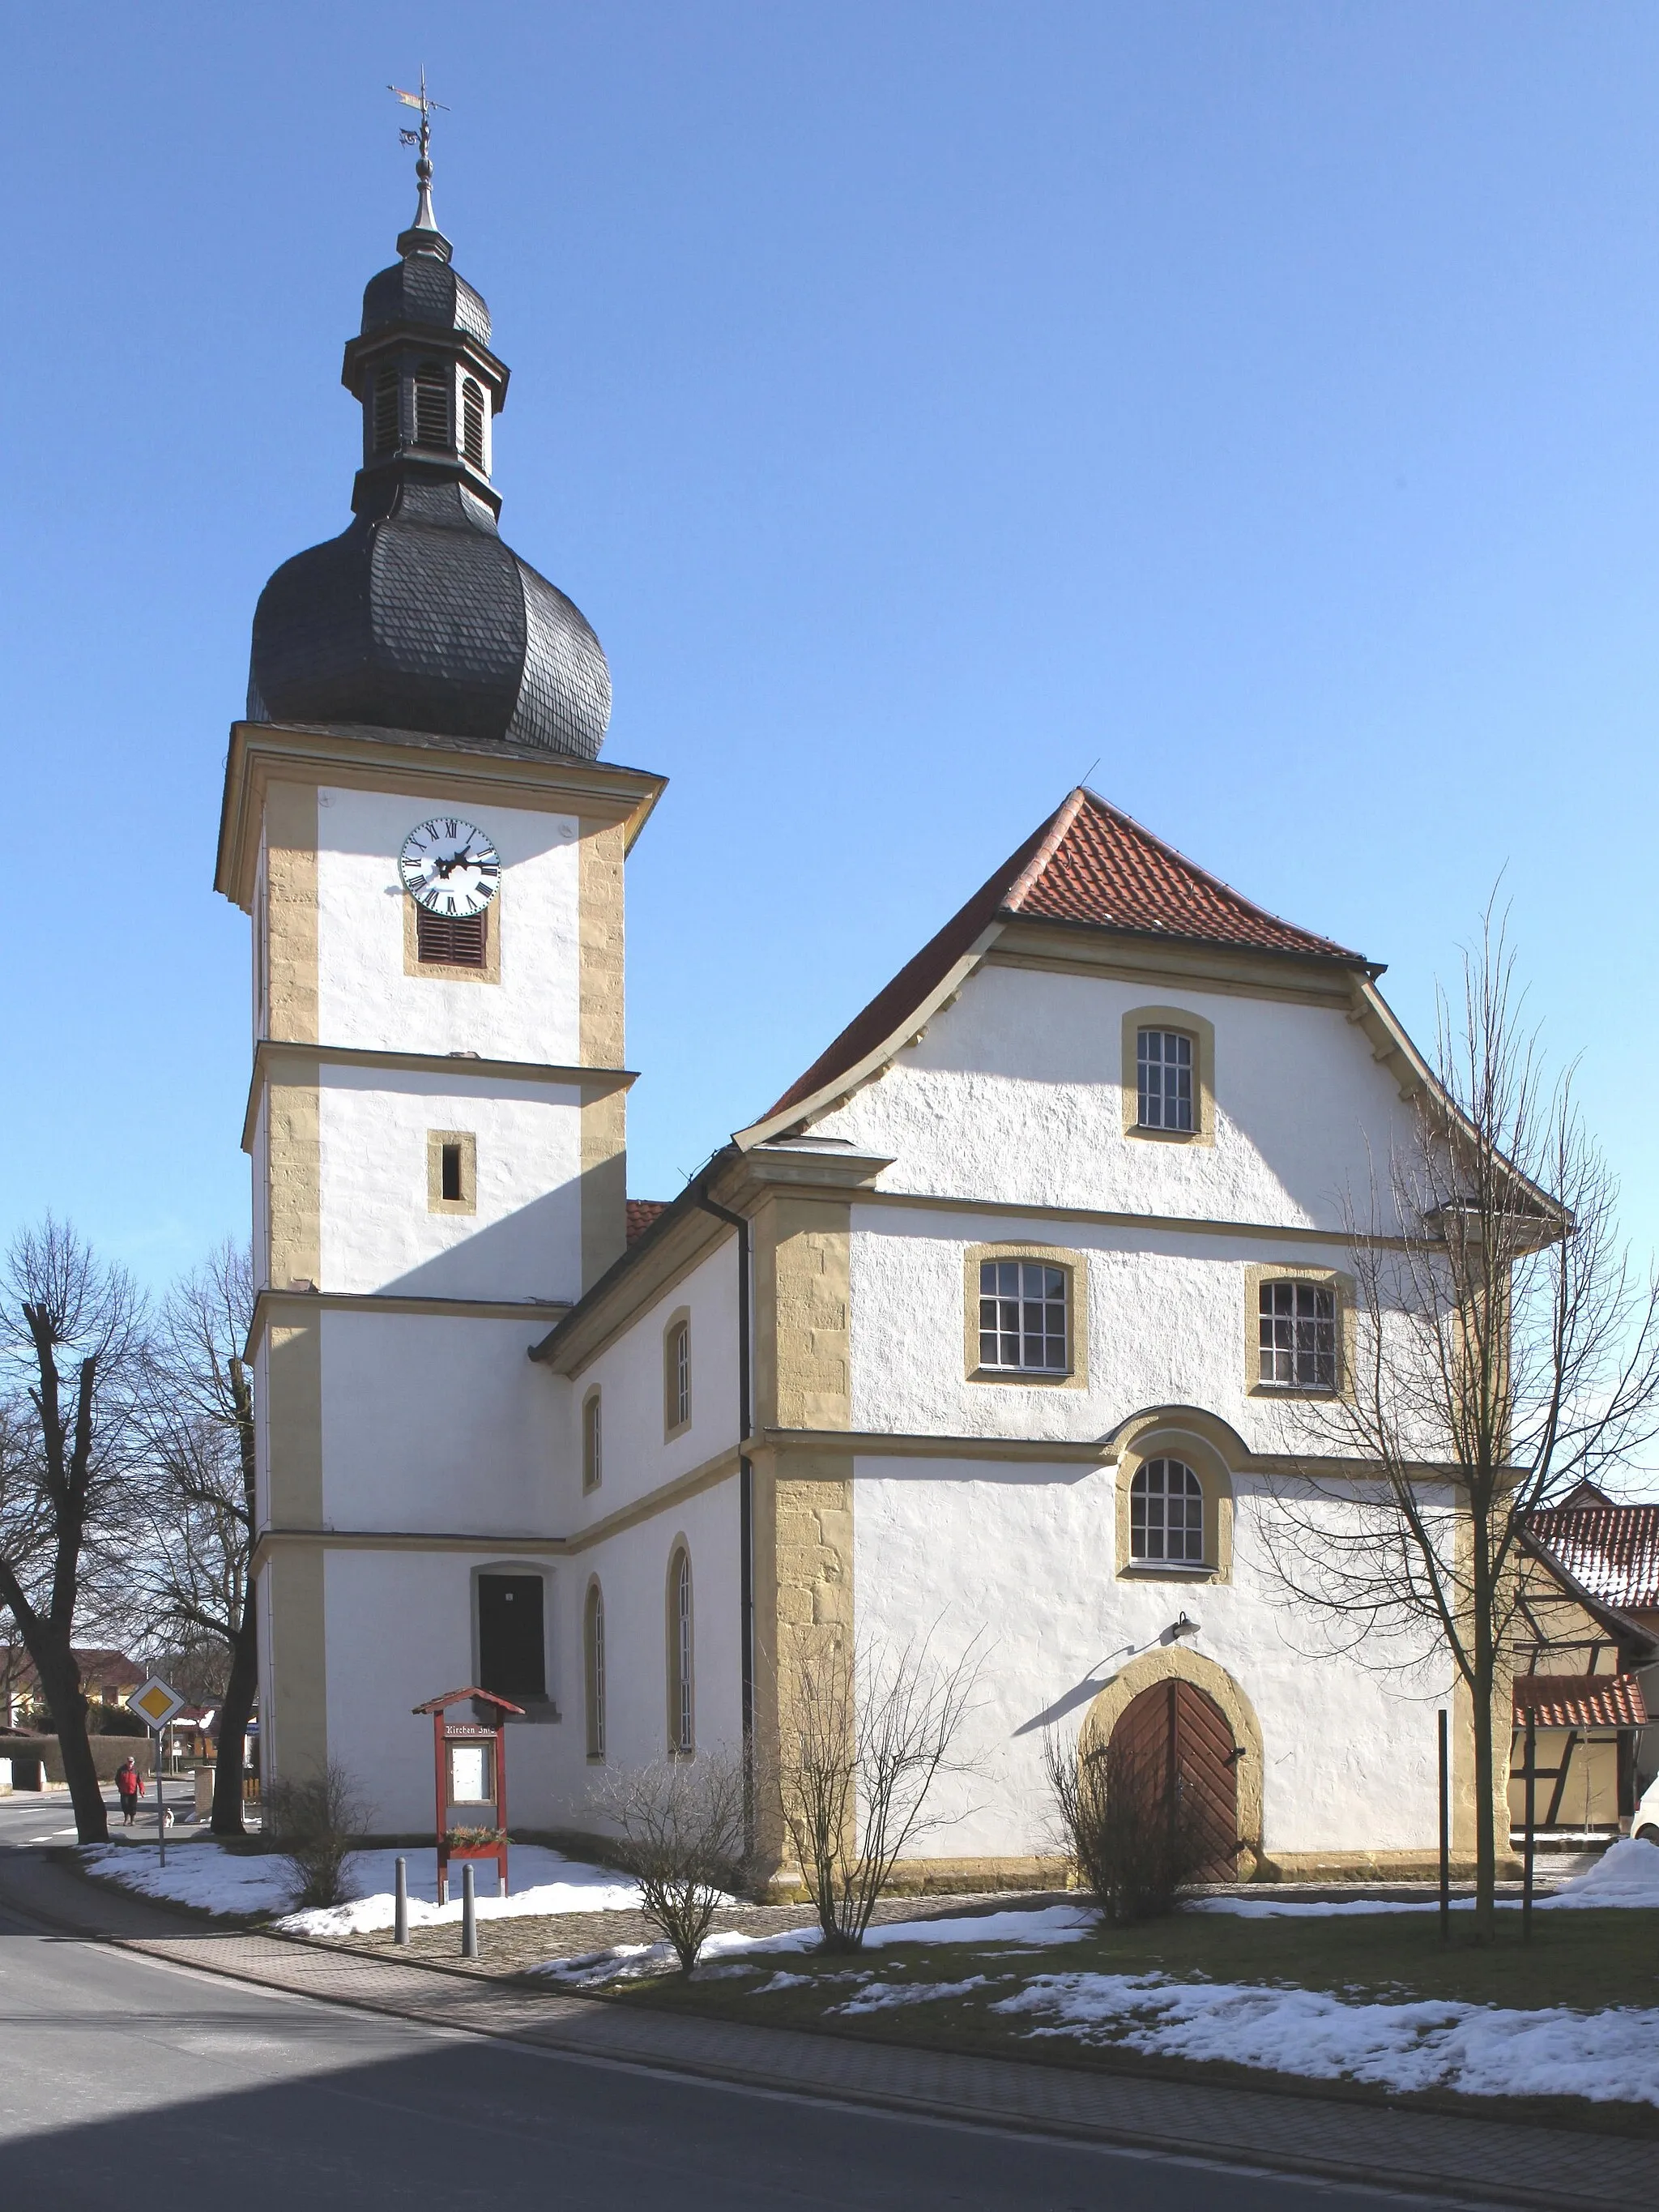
<point>199,1873</point>
<point>1625,1875</point>
<point>203,1874</point>
<point>882,1996</point>
<point>1487,2050</point>
<point>1271,1908</point>
<point>1054,1923</point>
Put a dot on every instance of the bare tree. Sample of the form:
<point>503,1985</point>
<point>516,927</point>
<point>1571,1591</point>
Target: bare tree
<point>1136,1834</point>
<point>70,1345</point>
<point>867,1734</point>
<point>197,1407</point>
<point>682,1830</point>
<point>1506,1349</point>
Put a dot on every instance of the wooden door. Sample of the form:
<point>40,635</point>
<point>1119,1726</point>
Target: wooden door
<point>1173,1729</point>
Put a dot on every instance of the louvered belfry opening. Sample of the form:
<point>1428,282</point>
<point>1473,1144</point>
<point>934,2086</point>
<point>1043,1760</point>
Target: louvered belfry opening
<point>431,404</point>
<point>451,941</point>
<point>385,412</point>
<point>472,422</point>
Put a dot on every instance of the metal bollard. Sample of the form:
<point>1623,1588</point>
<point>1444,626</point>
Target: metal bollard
<point>400,1911</point>
<point>469,1915</point>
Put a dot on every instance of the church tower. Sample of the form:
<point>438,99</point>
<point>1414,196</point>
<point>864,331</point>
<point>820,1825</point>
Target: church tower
<point>417,820</point>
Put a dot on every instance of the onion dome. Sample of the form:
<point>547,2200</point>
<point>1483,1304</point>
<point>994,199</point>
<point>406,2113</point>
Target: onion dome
<point>418,617</point>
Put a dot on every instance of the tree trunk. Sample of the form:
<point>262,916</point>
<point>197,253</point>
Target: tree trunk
<point>1480,1700</point>
<point>60,1678</point>
<point>234,1710</point>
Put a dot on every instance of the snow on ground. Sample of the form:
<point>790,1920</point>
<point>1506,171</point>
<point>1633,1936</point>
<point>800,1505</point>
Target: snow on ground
<point>882,1996</point>
<point>1054,1923</point>
<point>1626,1874</point>
<point>199,1873</point>
<point>205,1874</point>
<point>1481,2049</point>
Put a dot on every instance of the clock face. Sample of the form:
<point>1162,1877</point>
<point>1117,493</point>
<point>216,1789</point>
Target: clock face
<point>449,866</point>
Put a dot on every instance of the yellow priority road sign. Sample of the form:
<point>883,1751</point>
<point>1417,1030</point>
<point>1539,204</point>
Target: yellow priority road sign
<point>156,1702</point>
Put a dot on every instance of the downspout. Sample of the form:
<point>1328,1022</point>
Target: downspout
<point>745,1514</point>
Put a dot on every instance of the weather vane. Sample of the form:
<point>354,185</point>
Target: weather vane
<point>421,138</point>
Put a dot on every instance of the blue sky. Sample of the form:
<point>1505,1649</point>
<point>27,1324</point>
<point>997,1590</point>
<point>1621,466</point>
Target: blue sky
<point>924,403</point>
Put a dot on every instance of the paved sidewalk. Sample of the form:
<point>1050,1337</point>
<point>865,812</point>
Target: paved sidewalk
<point>1489,2161</point>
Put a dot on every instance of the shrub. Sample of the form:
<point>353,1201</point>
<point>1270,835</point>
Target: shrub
<point>682,1840</point>
<point>113,1720</point>
<point>1135,1835</point>
<point>316,1824</point>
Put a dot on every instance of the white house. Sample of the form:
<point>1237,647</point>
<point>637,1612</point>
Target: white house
<point>997,1326</point>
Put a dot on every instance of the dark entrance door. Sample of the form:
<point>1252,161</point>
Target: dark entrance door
<point>1173,1729</point>
<point>511,1643</point>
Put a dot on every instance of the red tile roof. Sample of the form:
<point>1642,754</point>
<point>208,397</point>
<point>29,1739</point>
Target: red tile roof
<point>641,1212</point>
<point>1089,863</point>
<point>1611,1551</point>
<point>1580,1701</point>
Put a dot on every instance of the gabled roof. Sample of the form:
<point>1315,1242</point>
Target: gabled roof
<point>1580,1701</point>
<point>1611,1551</point>
<point>1089,865</point>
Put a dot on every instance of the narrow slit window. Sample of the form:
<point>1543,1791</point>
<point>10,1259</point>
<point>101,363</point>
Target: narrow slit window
<point>681,1738</point>
<point>1298,1336</point>
<point>431,405</point>
<point>593,1443</point>
<point>1022,1316</point>
<point>472,422</point>
<point>449,1173</point>
<point>677,1374</point>
<point>1163,1066</point>
<point>593,1670</point>
<point>451,941</point>
<point>385,410</point>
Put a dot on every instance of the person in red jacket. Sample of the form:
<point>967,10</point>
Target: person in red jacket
<point>128,1788</point>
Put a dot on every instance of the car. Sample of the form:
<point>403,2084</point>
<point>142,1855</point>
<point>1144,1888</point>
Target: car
<point>1644,1822</point>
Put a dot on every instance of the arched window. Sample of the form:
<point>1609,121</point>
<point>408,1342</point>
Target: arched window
<point>593,1670</point>
<point>593,1442</point>
<point>676,1374</point>
<point>385,410</point>
<point>472,422</point>
<point>680,1737</point>
<point>1166,1513</point>
<point>431,404</point>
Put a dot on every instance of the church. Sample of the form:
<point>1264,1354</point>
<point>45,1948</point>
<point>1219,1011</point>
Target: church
<point>994,1330</point>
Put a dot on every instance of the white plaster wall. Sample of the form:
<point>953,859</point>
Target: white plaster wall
<point>1025,1553</point>
<point>364,997</point>
<point>1166,1323</point>
<point>435,1423</point>
<point>1014,1094</point>
<point>630,1373</point>
<point>398,1629</point>
<point>632,1568</point>
<point>378,1233</point>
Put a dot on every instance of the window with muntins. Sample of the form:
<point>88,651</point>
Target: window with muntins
<point>680,1737</point>
<point>677,1377</point>
<point>1022,1316</point>
<point>512,1636</point>
<point>593,1670</point>
<point>472,422</point>
<point>593,1443</point>
<point>1163,1069</point>
<point>1298,1328</point>
<point>451,941</point>
<point>1166,1513</point>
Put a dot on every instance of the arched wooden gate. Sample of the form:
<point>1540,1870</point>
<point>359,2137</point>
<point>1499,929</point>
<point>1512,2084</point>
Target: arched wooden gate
<point>1176,1735</point>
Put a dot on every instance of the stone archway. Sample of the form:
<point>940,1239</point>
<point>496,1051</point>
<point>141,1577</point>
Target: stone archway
<point>1176,1663</point>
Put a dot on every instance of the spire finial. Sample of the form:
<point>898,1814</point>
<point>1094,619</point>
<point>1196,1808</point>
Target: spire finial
<point>425,225</point>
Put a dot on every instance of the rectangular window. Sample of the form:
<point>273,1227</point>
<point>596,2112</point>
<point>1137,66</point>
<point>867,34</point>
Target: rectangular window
<point>451,941</point>
<point>1163,1069</point>
<point>677,1376</point>
<point>511,1640</point>
<point>1299,1335</point>
<point>450,1172</point>
<point>1022,1316</point>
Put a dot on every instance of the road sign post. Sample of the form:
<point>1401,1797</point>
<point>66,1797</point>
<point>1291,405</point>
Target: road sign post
<point>156,1702</point>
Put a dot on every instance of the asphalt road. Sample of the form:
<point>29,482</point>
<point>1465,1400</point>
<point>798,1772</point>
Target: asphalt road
<point>126,2083</point>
